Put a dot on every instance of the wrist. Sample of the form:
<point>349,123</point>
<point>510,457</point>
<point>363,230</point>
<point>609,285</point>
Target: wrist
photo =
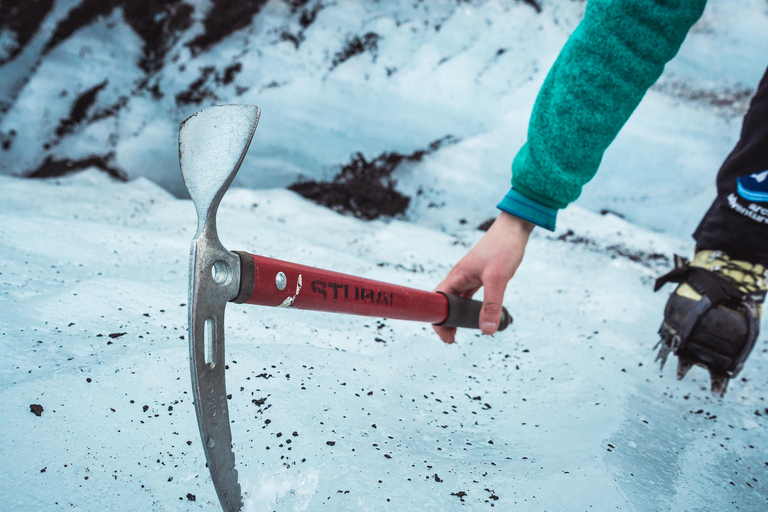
<point>512,223</point>
<point>528,209</point>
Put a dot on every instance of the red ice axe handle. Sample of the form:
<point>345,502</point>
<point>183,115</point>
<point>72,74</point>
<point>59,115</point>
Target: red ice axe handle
<point>270,282</point>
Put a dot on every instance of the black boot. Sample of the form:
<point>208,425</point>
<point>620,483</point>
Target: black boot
<point>713,317</point>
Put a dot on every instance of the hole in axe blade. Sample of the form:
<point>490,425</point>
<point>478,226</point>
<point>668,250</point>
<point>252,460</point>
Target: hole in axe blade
<point>209,337</point>
<point>221,272</point>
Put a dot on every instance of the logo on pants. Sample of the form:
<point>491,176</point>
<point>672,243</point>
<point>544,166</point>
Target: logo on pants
<point>754,187</point>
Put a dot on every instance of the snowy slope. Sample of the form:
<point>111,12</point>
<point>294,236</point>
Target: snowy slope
<point>107,83</point>
<point>564,411</point>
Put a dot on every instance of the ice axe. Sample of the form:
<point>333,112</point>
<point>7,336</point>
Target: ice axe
<point>212,145</point>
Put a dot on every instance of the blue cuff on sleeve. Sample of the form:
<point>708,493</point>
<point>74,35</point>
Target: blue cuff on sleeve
<point>520,206</point>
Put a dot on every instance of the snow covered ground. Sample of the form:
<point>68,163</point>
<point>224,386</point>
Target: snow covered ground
<point>566,410</point>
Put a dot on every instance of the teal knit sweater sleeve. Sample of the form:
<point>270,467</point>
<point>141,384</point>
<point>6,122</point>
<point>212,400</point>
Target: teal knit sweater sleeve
<point>615,54</point>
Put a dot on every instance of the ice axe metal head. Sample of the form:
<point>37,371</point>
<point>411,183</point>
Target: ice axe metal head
<point>212,145</point>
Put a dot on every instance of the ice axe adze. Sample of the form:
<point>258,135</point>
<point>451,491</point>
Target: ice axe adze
<point>212,145</point>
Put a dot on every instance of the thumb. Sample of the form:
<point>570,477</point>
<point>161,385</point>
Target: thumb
<point>490,314</point>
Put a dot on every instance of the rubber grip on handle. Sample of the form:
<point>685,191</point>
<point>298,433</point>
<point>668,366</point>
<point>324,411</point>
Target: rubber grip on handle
<point>466,313</point>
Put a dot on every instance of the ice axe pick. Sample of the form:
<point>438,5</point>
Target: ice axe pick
<point>212,145</point>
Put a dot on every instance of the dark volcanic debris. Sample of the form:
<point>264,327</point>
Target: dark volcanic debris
<point>357,46</point>
<point>735,99</point>
<point>485,226</point>
<point>199,91</point>
<point>295,39</point>
<point>196,93</point>
<point>79,17</point>
<point>308,16</point>
<point>6,139</point>
<point>363,188</point>
<point>23,19</point>
<point>230,72</point>
<point>83,112</point>
<point>366,189</point>
<point>535,4</point>
<point>159,24</point>
<point>224,18</point>
<point>295,5</point>
<point>648,259</point>
<point>36,409</point>
<point>79,110</point>
<point>113,109</point>
<point>52,168</point>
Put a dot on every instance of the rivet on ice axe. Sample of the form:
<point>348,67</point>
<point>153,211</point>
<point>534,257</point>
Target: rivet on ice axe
<point>212,145</point>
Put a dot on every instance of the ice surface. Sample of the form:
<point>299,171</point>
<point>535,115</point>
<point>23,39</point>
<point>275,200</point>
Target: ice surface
<point>564,411</point>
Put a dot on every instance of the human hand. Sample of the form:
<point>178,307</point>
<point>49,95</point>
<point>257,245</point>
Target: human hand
<point>490,264</point>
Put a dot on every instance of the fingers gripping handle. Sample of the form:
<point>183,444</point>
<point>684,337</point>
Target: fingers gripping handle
<point>466,313</point>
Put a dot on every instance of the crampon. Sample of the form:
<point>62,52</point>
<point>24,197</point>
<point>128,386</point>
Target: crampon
<point>713,317</point>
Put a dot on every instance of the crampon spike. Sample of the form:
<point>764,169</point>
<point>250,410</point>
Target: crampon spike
<point>683,366</point>
<point>719,383</point>
<point>666,344</point>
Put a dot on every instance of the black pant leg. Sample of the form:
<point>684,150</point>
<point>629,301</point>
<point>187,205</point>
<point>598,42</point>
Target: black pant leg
<point>737,221</point>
